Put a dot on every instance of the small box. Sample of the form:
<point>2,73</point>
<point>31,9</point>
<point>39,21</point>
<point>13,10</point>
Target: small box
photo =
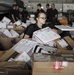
<point>45,36</point>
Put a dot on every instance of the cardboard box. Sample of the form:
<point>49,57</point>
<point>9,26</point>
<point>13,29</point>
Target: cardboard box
<point>46,68</point>
<point>6,42</point>
<point>10,53</point>
<point>18,72</point>
<point>65,49</point>
<point>14,72</point>
<point>19,29</point>
<point>19,65</point>
<point>16,40</point>
<point>52,57</point>
<point>68,40</point>
<point>1,53</point>
<point>7,20</point>
<point>56,65</point>
<point>39,57</point>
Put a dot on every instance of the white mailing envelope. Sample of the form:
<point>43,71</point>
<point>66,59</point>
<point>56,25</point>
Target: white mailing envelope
<point>62,43</point>
<point>45,35</point>
<point>10,27</point>
<point>2,24</point>
<point>7,33</point>
<point>7,20</point>
<point>14,33</point>
<point>18,23</point>
<point>22,35</point>
<point>64,28</point>
<point>22,57</point>
<point>24,25</point>
<point>24,45</point>
<point>2,30</point>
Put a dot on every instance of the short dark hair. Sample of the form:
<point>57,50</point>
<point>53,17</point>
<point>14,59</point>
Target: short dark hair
<point>38,13</point>
<point>53,4</point>
<point>39,5</point>
<point>47,5</point>
<point>13,5</point>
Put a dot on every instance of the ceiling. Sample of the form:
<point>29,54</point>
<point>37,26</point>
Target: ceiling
<point>55,1</point>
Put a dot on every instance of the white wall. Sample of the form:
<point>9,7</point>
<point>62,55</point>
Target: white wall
<point>57,1</point>
<point>25,2</point>
<point>68,7</point>
<point>33,5</point>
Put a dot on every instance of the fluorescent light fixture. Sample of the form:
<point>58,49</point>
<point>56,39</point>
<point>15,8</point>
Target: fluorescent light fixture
<point>28,6</point>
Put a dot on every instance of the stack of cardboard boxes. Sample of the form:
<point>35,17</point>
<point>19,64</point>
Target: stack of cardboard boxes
<point>13,68</point>
<point>18,58</point>
<point>69,49</point>
<point>55,65</point>
<point>10,33</point>
<point>8,66</point>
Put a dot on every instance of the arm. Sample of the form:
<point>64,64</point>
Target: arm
<point>18,16</point>
<point>27,37</point>
<point>29,32</point>
<point>13,18</point>
<point>56,16</point>
<point>56,13</point>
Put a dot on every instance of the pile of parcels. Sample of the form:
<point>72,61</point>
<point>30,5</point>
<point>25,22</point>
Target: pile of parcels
<point>13,29</point>
<point>46,54</point>
<point>11,33</point>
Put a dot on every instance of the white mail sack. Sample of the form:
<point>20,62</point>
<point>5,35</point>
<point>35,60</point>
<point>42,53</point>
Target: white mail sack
<point>24,45</point>
<point>45,35</point>
<point>7,20</point>
<point>2,24</point>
